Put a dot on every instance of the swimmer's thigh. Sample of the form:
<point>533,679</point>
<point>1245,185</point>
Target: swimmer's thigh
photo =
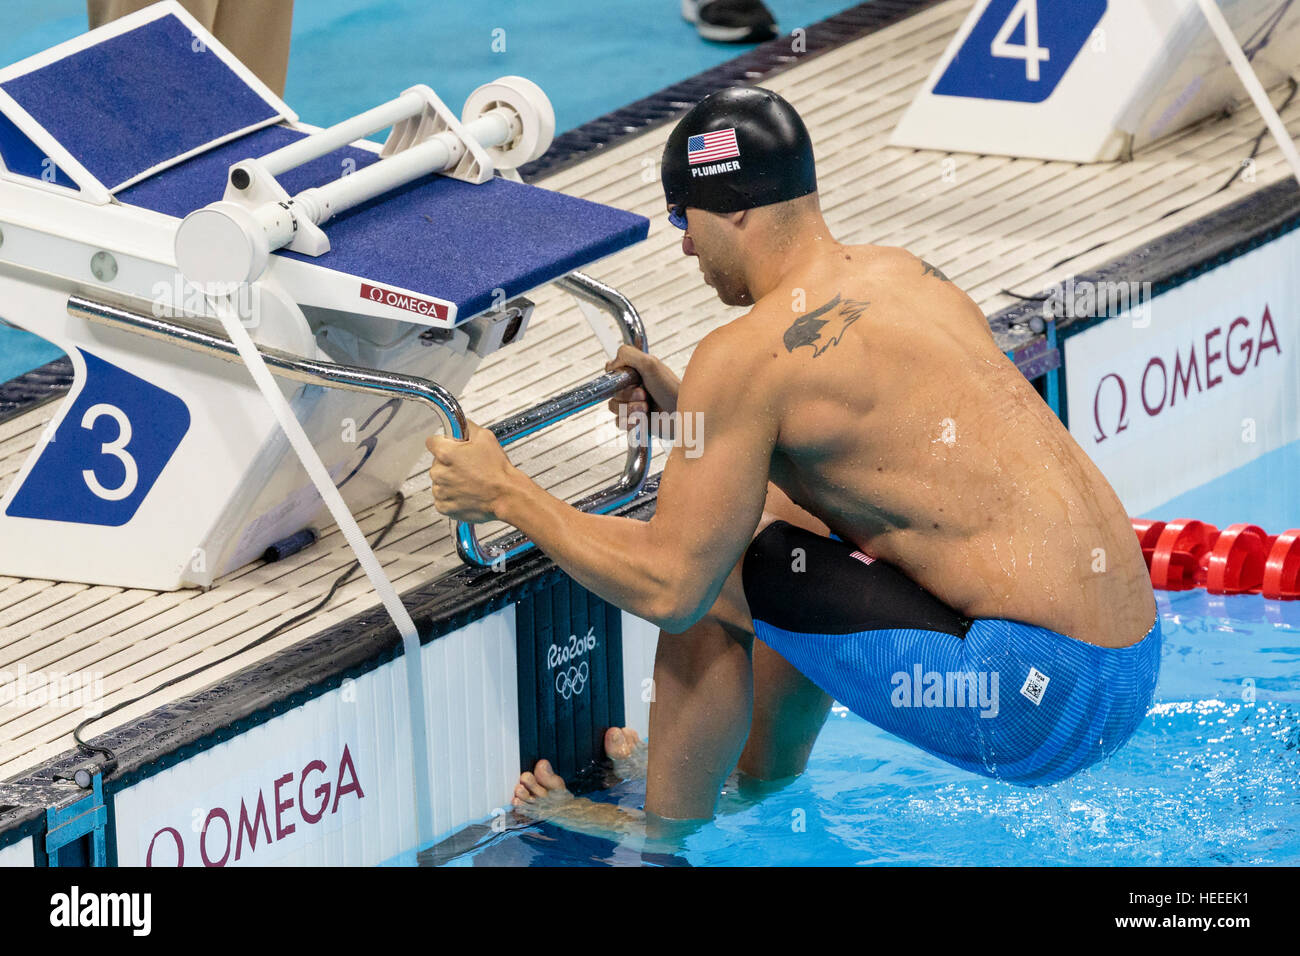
<point>789,709</point>
<point>863,632</point>
<point>705,691</point>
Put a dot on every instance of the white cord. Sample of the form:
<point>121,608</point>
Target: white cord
<point>599,321</point>
<point>320,477</point>
<point>1219,25</point>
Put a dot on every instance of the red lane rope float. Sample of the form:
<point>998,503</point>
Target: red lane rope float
<point>1243,559</point>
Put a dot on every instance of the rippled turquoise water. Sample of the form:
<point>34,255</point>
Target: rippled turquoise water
<point>1208,778</point>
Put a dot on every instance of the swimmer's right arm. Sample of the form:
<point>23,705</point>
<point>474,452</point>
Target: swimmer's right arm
<point>668,570</point>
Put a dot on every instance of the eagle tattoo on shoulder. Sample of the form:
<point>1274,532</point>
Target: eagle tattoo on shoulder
<point>811,329</point>
<point>933,271</point>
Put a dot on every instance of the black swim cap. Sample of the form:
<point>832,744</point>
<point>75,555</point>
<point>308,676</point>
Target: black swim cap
<point>737,149</point>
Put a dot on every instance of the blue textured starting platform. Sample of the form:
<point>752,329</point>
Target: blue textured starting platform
<point>156,116</point>
<point>140,100</point>
<point>436,236</point>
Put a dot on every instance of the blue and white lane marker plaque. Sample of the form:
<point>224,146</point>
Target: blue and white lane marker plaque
<point>108,452</point>
<point>1020,50</point>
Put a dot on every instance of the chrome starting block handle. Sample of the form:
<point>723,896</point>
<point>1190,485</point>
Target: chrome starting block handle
<point>637,467</point>
<point>438,399</point>
<point>282,364</point>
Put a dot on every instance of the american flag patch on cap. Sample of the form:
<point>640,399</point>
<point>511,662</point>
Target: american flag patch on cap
<point>711,147</point>
<point>864,558</point>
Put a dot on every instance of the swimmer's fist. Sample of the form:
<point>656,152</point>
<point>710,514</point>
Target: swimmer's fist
<point>469,478</point>
<point>658,389</point>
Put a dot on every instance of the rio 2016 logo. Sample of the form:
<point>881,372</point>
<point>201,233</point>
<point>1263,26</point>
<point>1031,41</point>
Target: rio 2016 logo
<point>575,648</point>
<point>572,677</point>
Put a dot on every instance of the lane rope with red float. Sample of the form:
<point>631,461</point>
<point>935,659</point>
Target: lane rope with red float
<point>1243,559</point>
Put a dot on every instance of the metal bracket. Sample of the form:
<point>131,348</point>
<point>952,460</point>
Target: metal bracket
<point>68,823</point>
<point>474,165</point>
<point>1037,358</point>
<point>1041,358</point>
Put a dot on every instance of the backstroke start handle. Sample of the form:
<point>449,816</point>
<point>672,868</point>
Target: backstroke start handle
<point>542,415</point>
<point>637,466</point>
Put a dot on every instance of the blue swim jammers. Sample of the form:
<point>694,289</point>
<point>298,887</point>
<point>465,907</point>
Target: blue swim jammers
<point>999,698</point>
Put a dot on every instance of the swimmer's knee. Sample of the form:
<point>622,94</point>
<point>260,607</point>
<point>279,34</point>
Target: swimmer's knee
<point>730,609</point>
<point>775,540</point>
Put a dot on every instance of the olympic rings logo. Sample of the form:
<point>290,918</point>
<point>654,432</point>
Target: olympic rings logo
<point>572,682</point>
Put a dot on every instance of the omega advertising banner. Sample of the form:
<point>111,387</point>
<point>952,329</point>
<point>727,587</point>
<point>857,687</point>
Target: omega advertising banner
<point>1201,380</point>
<point>330,783</point>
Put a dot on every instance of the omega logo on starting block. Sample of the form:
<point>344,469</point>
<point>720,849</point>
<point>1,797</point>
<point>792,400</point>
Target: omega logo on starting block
<point>400,300</point>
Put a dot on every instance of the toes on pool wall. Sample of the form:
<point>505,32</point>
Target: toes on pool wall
<point>582,666</point>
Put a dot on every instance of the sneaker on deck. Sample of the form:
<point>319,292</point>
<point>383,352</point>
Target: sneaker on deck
<point>730,21</point>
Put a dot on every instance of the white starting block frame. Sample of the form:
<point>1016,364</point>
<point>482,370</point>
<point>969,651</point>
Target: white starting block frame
<point>164,467</point>
<point>1090,81</point>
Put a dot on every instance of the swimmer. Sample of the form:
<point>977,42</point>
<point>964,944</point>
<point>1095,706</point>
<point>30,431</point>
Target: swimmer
<point>882,510</point>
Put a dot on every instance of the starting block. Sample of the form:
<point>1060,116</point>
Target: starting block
<point>144,174</point>
<point>1091,81</point>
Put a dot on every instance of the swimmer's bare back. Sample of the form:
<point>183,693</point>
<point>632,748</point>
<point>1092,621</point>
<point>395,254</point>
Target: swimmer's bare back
<point>869,389</point>
<point>908,432</point>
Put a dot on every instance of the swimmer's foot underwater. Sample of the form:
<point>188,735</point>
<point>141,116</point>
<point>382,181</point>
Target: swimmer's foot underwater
<point>881,510</point>
<point>624,748</point>
<point>543,795</point>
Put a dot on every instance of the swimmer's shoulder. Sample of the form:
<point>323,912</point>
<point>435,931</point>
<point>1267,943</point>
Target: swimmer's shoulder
<point>738,353</point>
<point>735,372</point>
<point>746,359</point>
<point>919,287</point>
<point>895,264</point>
<point>762,333</point>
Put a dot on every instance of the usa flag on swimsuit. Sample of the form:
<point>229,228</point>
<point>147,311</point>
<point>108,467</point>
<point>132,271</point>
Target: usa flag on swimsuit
<point>712,147</point>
